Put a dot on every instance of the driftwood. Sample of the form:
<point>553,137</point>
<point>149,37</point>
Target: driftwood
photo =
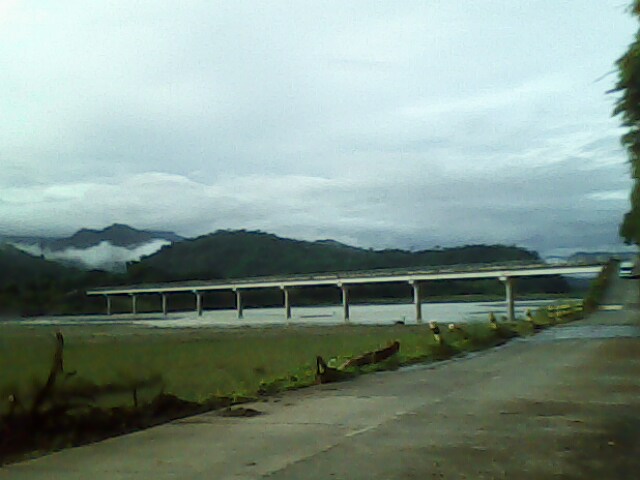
<point>60,394</point>
<point>372,357</point>
<point>57,367</point>
<point>327,374</point>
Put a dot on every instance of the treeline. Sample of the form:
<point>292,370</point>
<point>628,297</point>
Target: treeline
<point>34,286</point>
<point>237,254</point>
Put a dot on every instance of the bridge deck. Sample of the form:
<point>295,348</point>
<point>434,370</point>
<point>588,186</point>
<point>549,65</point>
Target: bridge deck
<point>357,278</point>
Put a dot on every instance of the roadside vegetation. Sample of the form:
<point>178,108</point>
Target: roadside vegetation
<point>627,90</point>
<point>600,285</point>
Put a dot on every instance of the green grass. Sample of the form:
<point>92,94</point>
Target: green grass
<point>194,364</point>
<point>199,364</point>
<point>208,366</point>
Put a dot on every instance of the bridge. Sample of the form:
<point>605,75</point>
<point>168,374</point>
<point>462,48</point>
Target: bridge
<point>416,278</point>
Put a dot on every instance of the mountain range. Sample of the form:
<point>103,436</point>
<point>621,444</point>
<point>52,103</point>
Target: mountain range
<point>110,248</point>
<point>241,253</point>
<point>118,234</point>
<point>601,256</point>
<point>228,253</point>
<point>30,282</point>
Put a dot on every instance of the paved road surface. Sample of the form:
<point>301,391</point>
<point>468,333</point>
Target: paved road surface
<point>564,404</point>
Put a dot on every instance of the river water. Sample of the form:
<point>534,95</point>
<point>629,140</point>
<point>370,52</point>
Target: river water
<point>325,315</point>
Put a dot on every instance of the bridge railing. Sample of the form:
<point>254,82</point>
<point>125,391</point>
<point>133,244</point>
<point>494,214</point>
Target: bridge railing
<point>339,275</point>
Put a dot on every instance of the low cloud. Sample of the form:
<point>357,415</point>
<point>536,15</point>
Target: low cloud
<point>102,256</point>
<point>544,207</point>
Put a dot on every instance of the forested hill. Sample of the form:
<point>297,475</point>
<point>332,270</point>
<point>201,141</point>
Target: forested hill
<point>19,268</point>
<point>235,254</point>
<point>33,286</point>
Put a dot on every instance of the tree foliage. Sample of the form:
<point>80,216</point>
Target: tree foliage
<point>238,254</point>
<point>628,108</point>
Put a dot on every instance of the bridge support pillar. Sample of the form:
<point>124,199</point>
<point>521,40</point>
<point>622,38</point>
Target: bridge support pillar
<point>108,299</point>
<point>510,299</point>
<point>239,306</point>
<point>287,303</point>
<point>345,302</point>
<point>164,304</point>
<point>134,304</point>
<point>417,300</point>
<point>198,303</point>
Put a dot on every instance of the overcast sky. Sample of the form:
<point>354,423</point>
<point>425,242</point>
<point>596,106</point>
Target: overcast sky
<point>382,124</point>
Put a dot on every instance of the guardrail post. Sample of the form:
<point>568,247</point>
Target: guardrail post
<point>239,306</point>
<point>417,300</point>
<point>345,302</point>
<point>108,299</point>
<point>164,304</point>
<point>198,303</point>
<point>287,302</point>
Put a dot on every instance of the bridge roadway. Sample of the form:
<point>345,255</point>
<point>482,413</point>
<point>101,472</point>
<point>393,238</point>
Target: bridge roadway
<point>345,280</point>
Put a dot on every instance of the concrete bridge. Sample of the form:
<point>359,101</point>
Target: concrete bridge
<point>416,278</point>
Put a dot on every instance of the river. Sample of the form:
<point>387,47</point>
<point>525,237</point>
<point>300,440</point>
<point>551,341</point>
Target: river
<point>324,315</point>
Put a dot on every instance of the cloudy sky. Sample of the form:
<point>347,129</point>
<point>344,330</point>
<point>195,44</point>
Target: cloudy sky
<point>408,124</point>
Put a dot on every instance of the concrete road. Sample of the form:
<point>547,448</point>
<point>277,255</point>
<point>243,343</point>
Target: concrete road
<point>564,404</point>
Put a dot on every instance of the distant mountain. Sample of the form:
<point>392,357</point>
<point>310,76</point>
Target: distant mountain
<point>118,235</point>
<point>601,256</point>
<point>555,259</point>
<point>240,253</point>
<point>106,249</point>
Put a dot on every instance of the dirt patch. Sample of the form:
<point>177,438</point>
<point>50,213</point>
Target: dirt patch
<point>23,435</point>
<point>612,453</point>
<point>240,412</point>
<point>534,408</point>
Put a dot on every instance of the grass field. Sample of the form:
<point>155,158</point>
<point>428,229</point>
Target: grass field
<point>186,371</point>
<point>198,364</point>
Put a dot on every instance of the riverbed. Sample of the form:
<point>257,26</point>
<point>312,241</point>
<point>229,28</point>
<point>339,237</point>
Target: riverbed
<point>460,312</point>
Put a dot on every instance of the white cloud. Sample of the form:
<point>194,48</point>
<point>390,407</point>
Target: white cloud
<point>613,195</point>
<point>541,208</point>
<point>383,124</point>
<point>103,256</point>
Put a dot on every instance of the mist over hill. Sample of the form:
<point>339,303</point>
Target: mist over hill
<point>118,235</point>
<point>109,249</point>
